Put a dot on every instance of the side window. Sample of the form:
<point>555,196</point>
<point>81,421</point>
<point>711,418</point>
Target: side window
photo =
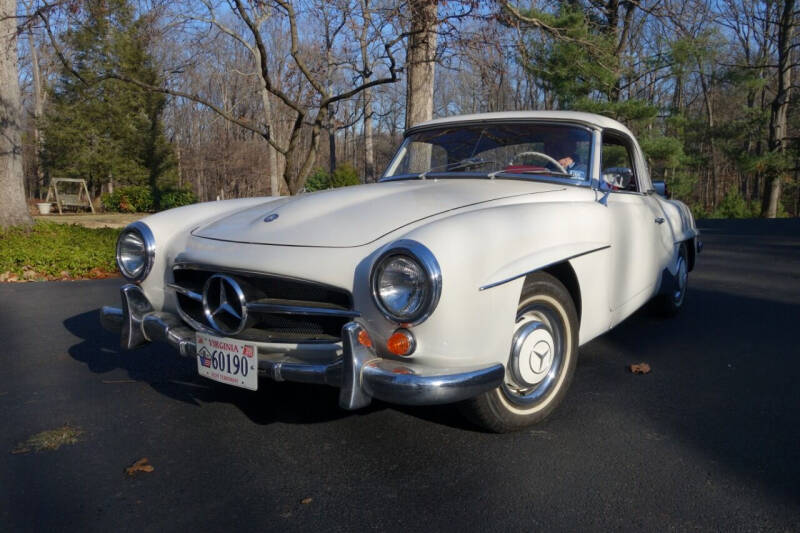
<point>617,169</point>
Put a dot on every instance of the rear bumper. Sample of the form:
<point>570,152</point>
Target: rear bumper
<point>359,373</point>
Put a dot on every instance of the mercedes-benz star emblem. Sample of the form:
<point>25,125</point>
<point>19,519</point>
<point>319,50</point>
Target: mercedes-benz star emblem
<point>224,304</point>
<point>541,351</point>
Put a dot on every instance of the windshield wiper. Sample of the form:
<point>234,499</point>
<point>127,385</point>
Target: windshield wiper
<point>543,171</point>
<point>458,165</point>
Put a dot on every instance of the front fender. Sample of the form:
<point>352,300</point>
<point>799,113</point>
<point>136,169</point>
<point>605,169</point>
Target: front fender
<point>493,249</point>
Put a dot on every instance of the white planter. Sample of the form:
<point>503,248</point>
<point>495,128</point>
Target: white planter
<point>44,208</point>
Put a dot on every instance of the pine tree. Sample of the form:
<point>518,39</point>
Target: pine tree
<point>102,129</point>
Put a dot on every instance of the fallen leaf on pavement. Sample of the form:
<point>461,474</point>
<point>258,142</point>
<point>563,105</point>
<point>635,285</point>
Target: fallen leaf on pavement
<point>50,440</point>
<point>641,368</point>
<point>306,501</point>
<point>139,466</point>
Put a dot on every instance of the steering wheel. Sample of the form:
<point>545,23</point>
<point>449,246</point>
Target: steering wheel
<point>546,158</point>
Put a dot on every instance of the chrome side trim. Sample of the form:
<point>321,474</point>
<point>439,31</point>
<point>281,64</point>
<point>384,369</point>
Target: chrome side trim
<point>196,296</point>
<point>517,276</point>
<point>427,260</point>
<point>299,310</point>
<point>150,249</point>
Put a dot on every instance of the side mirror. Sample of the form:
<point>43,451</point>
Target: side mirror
<point>661,188</point>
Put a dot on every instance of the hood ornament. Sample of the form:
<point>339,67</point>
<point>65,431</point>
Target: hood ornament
<point>270,218</point>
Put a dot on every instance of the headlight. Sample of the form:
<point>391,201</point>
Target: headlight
<point>136,250</point>
<point>406,282</point>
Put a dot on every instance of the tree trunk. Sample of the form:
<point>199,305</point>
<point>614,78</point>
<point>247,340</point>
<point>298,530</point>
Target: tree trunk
<point>711,141</point>
<point>331,142</point>
<point>274,184</point>
<point>369,155</point>
<point>38,111</point>
<point>778,122</point>
<point>420,68</point>
<point>420,63</point>
<point>13,209</point>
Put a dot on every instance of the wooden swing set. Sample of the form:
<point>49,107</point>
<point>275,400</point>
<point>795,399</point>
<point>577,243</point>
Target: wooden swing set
<point>81,199</point>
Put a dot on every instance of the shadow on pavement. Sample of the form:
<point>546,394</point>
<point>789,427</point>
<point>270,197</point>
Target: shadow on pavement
<point>725,381</point>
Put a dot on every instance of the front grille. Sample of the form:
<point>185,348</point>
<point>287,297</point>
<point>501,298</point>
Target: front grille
<point>280,309</point>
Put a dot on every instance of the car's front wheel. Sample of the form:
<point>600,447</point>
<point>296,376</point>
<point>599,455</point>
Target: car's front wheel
<point>541,364</point>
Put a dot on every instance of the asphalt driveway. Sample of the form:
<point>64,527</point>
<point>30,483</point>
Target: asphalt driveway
<point>709,440</point>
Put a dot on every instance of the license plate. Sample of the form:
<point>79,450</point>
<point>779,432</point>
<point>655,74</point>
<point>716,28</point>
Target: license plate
<point>228,361</point>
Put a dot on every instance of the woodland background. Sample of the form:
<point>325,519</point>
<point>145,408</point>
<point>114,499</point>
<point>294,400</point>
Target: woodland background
<point>190,100</point>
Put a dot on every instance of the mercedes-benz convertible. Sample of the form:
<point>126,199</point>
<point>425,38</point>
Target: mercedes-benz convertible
<point>493,247</point>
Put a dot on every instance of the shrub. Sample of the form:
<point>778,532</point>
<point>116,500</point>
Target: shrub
<point>318,180</point>
<point>732,206</point>
<point>344,176</point>
<point>176,198</point>
<point>129,199</point>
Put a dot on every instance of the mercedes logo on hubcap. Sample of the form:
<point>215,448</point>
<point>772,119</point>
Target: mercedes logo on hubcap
<point>224,304</point>
<point>539,356</point>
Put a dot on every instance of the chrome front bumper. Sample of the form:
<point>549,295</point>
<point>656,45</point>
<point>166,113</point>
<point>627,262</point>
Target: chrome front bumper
<point>359,373</point>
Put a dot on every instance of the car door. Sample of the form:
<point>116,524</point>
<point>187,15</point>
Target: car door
<point>665,234</point>
<point>635,232</point>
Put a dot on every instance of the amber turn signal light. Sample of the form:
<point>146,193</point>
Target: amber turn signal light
<point>401,342</point>
<point>363,338</point>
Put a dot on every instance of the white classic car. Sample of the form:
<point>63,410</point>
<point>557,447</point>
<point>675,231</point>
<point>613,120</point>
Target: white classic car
<point>492,248</point>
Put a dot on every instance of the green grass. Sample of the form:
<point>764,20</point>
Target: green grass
<point>56,251</point>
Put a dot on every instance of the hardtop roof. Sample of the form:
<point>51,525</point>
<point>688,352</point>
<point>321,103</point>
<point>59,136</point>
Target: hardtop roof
<point>587,119</point>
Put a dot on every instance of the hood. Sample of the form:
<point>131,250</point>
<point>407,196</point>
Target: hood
<point>354,216</point>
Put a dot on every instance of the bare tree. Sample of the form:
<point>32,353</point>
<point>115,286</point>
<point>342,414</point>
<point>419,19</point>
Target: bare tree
<point>310,118</point>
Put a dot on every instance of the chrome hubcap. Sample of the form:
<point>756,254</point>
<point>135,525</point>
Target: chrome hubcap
<point>536,355</point>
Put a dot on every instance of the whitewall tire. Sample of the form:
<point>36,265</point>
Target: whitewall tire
<point>541,362</point>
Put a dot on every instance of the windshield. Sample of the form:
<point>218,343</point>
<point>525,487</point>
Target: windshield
<point>526,149</point>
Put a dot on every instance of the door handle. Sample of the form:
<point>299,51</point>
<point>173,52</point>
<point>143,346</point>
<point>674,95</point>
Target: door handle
<point>659,220</point>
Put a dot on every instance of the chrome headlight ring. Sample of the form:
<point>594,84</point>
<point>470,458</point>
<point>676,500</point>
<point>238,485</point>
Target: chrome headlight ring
<point>137,243</point>
<point>413,254</point>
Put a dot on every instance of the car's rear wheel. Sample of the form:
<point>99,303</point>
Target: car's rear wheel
<point>542,361</point>
<point>671,302</point>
